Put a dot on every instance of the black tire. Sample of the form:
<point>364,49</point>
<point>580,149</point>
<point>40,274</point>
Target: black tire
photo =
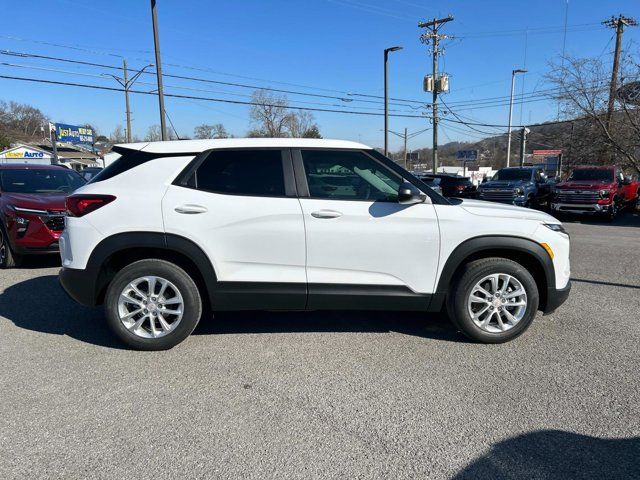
<point>612,214</point>
<point>470,275</point>
<point>8,259</point>
<point>192,303</point>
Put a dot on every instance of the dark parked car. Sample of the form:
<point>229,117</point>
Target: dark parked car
<point>521,186</point>
<point>452,185</point>
<point>32,209</point>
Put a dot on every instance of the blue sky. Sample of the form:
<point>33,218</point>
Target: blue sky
<point>325,47</point>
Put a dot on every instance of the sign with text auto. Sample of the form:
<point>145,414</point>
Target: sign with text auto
<point>73,133</point>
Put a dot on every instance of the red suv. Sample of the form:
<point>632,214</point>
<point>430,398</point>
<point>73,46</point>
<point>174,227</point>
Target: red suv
<point>32,209</point>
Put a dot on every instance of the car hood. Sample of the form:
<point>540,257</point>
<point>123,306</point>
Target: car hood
<point>584,185</point>
<point>491,209</point>
<point>38,201</point>
<point>504,184</point>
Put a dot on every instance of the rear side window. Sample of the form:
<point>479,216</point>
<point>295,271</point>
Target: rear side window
<point>128,160</point>
<point>241,172</point>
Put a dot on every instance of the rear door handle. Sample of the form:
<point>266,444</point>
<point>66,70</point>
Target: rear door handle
<point>326,214</point>
<point>190,209</point>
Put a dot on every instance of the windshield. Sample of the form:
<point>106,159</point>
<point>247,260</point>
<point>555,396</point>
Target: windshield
<point>40,181</point>
<point>512,174</point>
<point>592,174</point>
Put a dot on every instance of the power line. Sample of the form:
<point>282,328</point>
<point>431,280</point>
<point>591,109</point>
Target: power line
<point>218,82</point>
<point>177,87</point>
<point>191,97</point>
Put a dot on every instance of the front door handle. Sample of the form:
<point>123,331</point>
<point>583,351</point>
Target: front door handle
<point>326,214</point>
<point>190,209</point>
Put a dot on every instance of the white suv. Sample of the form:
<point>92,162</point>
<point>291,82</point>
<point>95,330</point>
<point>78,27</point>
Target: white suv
<point>173,229</point>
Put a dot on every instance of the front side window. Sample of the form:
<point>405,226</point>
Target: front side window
<point>348,175</point>
<point>40,181</point>
<point>242,172</point>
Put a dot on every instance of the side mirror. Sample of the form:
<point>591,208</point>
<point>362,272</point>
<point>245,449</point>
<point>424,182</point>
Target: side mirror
<point>408,194</point>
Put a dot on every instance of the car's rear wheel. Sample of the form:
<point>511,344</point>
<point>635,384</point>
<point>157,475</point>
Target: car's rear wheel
<point>494,300</point>
<point>8,259</point>
<point>153,305</point>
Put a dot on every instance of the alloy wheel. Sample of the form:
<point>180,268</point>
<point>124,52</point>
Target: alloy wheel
<point>150,307</point>
<point>497,303</point>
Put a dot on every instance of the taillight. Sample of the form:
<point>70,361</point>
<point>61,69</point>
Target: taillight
<point>80,205</point>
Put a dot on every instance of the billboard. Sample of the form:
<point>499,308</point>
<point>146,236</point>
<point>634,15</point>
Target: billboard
<point>73,133</point>
<point>467,155</point>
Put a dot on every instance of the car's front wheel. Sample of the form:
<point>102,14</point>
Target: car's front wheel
<point>494,300</point>
<point>8,259</point>
<point>153,305</point>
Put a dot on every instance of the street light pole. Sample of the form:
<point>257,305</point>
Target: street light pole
<point>513,87</point>
<point>386,98</point>
<point>156,41</point>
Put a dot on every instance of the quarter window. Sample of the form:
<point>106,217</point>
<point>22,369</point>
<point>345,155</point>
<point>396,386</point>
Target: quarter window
<point>241,172</point>
<point>348,175</point>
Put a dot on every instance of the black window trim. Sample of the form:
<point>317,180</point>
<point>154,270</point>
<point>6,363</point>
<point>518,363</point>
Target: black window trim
<point>182,180</point>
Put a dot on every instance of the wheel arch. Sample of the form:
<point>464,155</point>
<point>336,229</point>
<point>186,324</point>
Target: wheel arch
<point>119,250</point>
<point>526,252</point>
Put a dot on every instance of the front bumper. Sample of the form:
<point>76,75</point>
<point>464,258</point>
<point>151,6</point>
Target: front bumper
<point>592,208</point>
<point>555,298</point>
<point>80,285</point>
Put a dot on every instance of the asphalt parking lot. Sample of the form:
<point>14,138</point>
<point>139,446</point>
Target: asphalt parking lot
<point>329,394</point>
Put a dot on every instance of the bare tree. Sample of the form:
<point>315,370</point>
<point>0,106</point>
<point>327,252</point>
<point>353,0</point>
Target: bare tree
<point>302,124</point>
<point>118,135</point>
<point>206,131</point>
<point>269,114</point>
<point>154,135</point>
<point>19,121</point>
<point>581,89</point>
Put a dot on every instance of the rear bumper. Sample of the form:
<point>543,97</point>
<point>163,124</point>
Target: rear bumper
<point>556,297</point>
<point>80,285</point>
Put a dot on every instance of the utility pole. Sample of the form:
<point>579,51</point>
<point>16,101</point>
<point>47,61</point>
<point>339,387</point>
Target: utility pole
<point>618,23</point>
<point>405,148</point>
<point>432,36</point>
<point>126,98</point>
<point>523,143</point>
<point>53,132</point>
<point>386,98</point>
<point>513,87</point>
<point>156,42</point>
<point>126,83</point>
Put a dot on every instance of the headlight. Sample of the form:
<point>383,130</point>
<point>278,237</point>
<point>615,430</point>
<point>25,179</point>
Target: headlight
<point>604,193</point>
<point>556,227</point>
<point>518,191</point>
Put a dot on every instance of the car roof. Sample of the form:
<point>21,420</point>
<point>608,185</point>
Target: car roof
<point>188,146</point>
<point>29,166</point>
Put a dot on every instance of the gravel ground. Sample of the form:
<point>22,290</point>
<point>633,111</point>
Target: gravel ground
<point>329,394</point>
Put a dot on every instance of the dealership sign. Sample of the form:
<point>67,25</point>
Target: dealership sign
<point>24,153</point>
<point>73,134</point>
<point>467,155</point>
